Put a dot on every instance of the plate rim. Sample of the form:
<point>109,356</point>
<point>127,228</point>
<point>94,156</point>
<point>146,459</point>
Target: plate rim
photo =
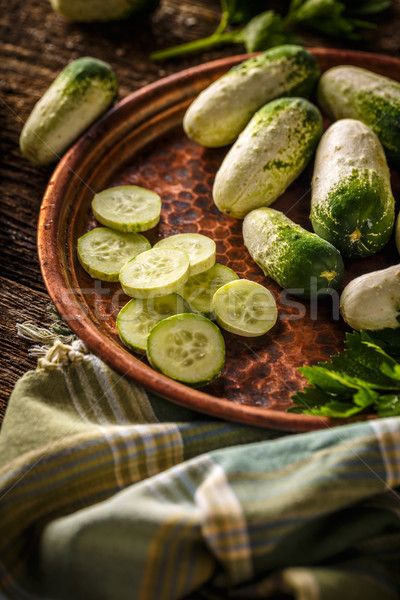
<point>53,262</point>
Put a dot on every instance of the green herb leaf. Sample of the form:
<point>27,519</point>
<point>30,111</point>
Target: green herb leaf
<point>365,377</point>
<point>346,365</point>
<point>307,10</point>
<point>312,398</point>
<point>240,11</point>
<point>388,405</point>
<point>366,7</point>
<point>333,382</point>
<point>265,31</point>
<point>328,16</point>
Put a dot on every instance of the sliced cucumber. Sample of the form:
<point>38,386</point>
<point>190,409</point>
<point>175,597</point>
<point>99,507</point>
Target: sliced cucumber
<point>127,208</point>
<point>103,252</point>
<point>138,316</point>
<point>200,289</point>
<point>200,248</point>
<point>188,348</point>
<point>157,272</point>
<point>245,307</point>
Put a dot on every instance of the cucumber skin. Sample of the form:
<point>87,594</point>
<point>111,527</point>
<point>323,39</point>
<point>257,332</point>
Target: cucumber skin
<point>371,301</point>
<point>292,256</point>
<point>351,190</point>
<point>126,310</point>
<point>356,93</point>
<point>83,90</point>
<point>99,10</point>
<point>222,111</point>
<point>201,306</point>
<point>269,154</point>
<point>156,366</point>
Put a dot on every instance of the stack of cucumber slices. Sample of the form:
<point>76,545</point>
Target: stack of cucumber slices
<point>177,288</point>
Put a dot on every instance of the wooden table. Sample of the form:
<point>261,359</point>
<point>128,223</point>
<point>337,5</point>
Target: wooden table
<point>35,45</point>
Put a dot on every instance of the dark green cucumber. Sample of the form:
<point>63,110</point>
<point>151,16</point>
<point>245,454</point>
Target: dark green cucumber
<point>300,261</point>
<point>352,204</point>
<point>222,111</point>
<point>83,90</point>
<point>269,154</point>
<point>347,92</point>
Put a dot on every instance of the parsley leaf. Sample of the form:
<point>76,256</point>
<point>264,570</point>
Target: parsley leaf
<point>261,30</point>
<point>366,7</point>
<point>241,12</point>
<point>265,31</point>
<point>389,405</point>
<point>363,378</point>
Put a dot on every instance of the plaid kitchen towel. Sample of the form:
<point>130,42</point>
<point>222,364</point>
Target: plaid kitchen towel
<point>110,493</point>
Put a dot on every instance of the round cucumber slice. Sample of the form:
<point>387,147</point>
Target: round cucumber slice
<point>200,248</point>
<point>200,289</point>
<point>188,348</point>
<point>138,316</point>
<point>157,272</point>
<point>103,252</point>
<point>245,307</point>
<point>127,208</point>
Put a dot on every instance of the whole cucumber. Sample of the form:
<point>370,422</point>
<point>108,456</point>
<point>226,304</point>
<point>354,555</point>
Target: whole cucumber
<point>300,261</point>
<point>371,301</point>
<point>355,93</point>
<point>83,90</point>
<point>352,204</point>
<point>269,154</point>
<point>101,10</point>
<point>222,110</point>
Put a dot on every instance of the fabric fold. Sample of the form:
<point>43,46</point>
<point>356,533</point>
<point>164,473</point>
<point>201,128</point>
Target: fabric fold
<point>108,492</point>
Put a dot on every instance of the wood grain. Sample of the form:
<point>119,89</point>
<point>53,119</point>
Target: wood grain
<point>35,44</point>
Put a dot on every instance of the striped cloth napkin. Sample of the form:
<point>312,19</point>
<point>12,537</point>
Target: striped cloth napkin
<point>110,493</point>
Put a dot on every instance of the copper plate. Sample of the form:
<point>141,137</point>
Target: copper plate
<point>140,141</point>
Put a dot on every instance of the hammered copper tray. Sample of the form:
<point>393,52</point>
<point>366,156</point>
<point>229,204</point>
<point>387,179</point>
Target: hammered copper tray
<point>141,141</point>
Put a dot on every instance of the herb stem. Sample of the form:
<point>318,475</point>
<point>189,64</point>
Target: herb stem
<point>216,39</point>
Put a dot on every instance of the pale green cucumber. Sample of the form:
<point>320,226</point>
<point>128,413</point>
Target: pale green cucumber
<point>102,10</point>
<point>199,290</point>
<point>372,301</point>
<point>80,94</point>
<point>300,261</point>
<point>245,307</point>
<point>222,110</point>
<point>103,252</point>
<point>188,348</point>
<point>269,154</point>
<point>156,272</point>
<point>136,319</point>
<point>347,92</point>
<point>200,249</point>
<point>127,208</point>
<point>352,204</point>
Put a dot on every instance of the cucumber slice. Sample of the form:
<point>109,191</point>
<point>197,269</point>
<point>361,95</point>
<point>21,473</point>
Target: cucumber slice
<point>200,289</point>
<point>245,307</point>
<point>200,248</point>
<point>138,316</point>
<point>103,252</point>
<point>188,348</point>
<point>157,272</point>
<point>127,208</point>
